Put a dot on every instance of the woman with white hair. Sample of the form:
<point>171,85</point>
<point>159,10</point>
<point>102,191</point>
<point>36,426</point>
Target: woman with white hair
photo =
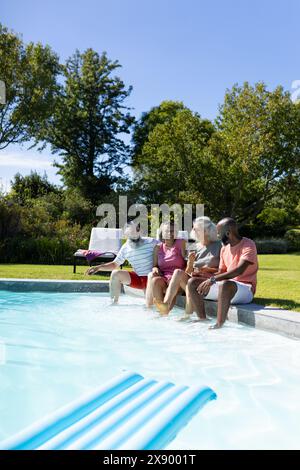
<point>202,264</point>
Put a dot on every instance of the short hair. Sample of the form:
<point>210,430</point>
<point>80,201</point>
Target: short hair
<point>229,223</point>
<point>207,225</point>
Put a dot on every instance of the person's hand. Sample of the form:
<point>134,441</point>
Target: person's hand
<point>92,270</point>
<point>204,287</point>
<point>155,271</point>
<point>207,269</point>
<point>190,261</point>
<point>191,256</point>
<point>196,272</point>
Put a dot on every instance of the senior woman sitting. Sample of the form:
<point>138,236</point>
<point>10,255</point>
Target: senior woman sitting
<point>167,256</point>
<point>202,264</point>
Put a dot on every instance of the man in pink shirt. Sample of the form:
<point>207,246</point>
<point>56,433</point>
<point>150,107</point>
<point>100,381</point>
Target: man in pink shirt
<point>235,281</point>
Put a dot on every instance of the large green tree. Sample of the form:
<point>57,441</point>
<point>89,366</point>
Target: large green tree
<point>30,77</point>
<point>87,124</point>
<point>255,153</point>
<point>169,166</point>
<point>237,168</point>
<point>161,114</point>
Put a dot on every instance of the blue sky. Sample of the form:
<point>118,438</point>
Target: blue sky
<point>189,50</point>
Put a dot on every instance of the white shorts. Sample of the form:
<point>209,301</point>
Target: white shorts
<point>243,295</point>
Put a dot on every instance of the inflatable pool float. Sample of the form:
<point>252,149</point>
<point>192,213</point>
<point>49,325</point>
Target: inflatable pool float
<point>128,412</point>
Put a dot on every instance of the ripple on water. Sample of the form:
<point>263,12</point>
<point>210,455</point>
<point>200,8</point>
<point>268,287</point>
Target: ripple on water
<point>58,346</point>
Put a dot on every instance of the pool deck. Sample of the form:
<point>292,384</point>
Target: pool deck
<point>272,319</point>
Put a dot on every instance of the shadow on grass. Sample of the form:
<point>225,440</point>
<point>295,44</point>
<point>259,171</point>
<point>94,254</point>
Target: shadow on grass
<point>281,303</point>
<point>290,253</point>
<point>288,270</point>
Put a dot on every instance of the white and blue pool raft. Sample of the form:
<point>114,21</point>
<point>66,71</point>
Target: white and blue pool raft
<point>128,412</point>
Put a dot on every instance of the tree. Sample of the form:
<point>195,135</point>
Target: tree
<point>160,114</point>
<point>237,168</point>
<point>77,209</point>
<point>168,169</point>
<point>30,77</point>
<point>255,153</point>
<point>31,186</point>
<point>87,122</point>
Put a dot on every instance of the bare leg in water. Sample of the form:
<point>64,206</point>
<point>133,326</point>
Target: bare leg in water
<point>178,280</point>
<point>149,291</point>
<point>194,300</point>
<point>159,287</point>
<point>117,278</point>
<point>227,290</point>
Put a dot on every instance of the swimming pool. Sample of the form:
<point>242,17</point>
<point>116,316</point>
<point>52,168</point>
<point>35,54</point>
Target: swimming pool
<point>56,346</point>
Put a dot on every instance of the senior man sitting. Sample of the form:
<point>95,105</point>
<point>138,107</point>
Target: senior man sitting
<point>138,251</point>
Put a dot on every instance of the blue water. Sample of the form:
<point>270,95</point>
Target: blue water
<point>54,347</point>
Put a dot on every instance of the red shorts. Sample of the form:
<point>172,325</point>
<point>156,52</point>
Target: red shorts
<point>138,282</point>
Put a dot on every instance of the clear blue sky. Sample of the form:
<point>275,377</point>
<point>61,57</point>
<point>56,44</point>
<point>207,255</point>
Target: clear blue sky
<point>188,50</point>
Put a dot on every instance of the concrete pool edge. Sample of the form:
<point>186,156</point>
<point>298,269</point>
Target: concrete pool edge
<point>53,285</point>
<point>271,319</point>
<point>276,320</point>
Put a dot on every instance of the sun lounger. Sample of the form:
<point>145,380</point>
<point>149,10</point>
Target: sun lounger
<point>107,241</point>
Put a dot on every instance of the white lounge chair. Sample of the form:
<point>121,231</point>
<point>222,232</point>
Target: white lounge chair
<point>106,240</point>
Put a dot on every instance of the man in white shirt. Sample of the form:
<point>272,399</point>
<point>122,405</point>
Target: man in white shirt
<point>138,251</point>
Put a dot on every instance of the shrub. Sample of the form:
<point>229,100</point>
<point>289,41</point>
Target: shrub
<point>293,239</point>
<point>271,246</point>
<point>40,250</point>
<point>272,222</point>
<point>77,209</point>
<point>57,248</point>
<point>10,219</point>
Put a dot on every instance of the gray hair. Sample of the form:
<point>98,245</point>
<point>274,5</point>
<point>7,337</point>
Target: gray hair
<point>207,226</point>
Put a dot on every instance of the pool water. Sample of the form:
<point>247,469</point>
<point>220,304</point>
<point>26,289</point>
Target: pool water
<point>55,347</point>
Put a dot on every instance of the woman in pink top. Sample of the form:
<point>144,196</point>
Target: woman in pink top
<point>168,256</point>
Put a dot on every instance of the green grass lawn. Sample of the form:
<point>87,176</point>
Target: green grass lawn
<point>278,278</point>
<point>43,271</point>
<point>279,281</point>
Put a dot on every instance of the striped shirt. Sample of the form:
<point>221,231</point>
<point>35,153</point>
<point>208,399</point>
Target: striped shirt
<point>140,257</point>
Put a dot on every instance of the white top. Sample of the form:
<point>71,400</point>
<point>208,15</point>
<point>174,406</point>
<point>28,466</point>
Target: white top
<point>140,257</point>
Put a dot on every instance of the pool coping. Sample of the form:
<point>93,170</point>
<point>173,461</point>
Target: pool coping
<point>276,320</point>
<point>52,285</point>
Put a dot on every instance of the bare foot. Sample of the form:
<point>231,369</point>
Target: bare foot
<point>185,317</point>
<point>162,307</point>
<point>148,307</point>
<point>216,326</point>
